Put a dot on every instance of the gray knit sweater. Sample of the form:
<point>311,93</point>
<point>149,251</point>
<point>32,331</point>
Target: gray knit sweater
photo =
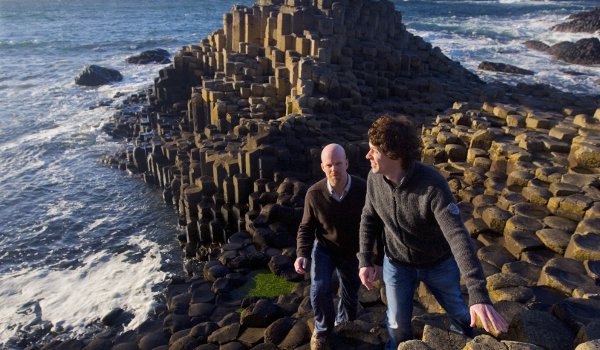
<point>421,225</point>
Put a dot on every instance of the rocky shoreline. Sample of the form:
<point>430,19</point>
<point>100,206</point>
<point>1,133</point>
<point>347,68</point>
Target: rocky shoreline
<point>231,132</point>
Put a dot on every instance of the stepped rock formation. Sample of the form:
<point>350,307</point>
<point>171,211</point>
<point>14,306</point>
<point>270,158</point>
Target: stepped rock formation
<point>232,132</point>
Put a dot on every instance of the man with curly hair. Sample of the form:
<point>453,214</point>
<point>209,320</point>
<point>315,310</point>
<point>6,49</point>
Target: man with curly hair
<point>411,205</point>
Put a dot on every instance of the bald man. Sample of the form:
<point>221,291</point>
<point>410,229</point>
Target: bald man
<point>329,234</point>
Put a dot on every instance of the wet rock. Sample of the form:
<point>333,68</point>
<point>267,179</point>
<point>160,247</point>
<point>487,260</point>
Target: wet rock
<point>503,68</point>
<point>536,45</point>
<point>177,322</point>
<point>95,75</point>
<point>150,56</point>
<point>153,340</point>
<point>586,21</point>
<point>117,317</point>
<point>583,51</point>
<point>540,328</point>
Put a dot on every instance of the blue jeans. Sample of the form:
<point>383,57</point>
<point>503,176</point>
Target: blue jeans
<point>324,263</point>
<point>443,280</point>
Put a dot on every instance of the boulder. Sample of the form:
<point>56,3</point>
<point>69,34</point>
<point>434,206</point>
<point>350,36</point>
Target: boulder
<point>95,75</point>
<point>536,45</point>
<point>503,68</point>
<point>587,22</point>
<point>150,56</point>
<point>583,51</point>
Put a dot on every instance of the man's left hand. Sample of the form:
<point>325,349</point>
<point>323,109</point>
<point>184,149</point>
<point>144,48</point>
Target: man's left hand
<point>489,317</point>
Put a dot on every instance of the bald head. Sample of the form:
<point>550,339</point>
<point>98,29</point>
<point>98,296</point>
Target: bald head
<point>335,165</point>
<point>333,150</point>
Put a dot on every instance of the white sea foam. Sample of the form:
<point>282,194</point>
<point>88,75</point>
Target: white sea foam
<point>74,298</point>
<point>476,39</point>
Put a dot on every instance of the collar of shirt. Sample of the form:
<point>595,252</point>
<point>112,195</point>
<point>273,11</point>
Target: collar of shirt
<point>346,189</point>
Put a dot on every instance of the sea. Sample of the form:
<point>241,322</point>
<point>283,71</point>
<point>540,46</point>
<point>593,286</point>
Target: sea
<point>79,239</point>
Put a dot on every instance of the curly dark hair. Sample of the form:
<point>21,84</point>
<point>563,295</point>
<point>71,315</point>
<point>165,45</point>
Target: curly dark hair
<point>397,138</point>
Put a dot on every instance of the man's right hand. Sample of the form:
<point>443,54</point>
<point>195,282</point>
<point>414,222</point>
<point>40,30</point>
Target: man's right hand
<point>368,275</point>
<point>300,265</point>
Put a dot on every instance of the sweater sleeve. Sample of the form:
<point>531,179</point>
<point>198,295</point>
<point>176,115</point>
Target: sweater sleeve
<point>306,231</point>
<point>371,228</point>
<point>447,214</point>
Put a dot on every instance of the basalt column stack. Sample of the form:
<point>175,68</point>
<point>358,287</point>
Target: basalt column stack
<point>257,100</point>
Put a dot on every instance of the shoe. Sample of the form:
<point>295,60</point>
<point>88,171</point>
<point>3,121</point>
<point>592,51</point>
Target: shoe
<point>319,342</point>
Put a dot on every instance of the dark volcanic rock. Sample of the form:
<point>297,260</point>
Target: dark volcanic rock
<point>584,51</point>
<point>536,45</point>
<point>588,22</point>
<point>577,312</point>
<point>503,68</point>
<point>150,56</point>
<point>540,328</point>
<point>95,75</point>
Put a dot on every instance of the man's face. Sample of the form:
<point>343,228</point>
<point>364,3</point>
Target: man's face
<point>335,166</point>
<point>380,163</point>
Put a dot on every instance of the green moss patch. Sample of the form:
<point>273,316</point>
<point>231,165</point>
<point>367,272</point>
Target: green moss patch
<point>263,283</point>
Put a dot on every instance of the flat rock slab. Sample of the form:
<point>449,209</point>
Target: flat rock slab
<point>584,246</point>
<point>564,274</point>
<point>554,239</point>
<point>503,68</point>
<point>540,328</point>
<point>528,271</point>
<point>443,339</point>
<point>577,312</point>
